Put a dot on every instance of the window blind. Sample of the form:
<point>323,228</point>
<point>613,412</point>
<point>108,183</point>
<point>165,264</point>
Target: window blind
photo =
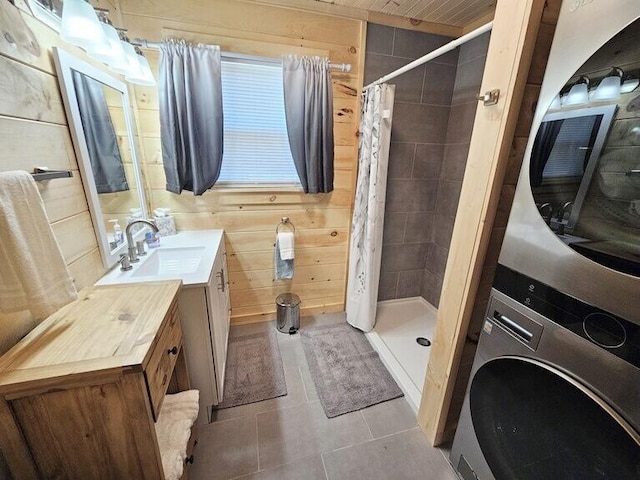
<point>571,148</point>
<point>256,146</point>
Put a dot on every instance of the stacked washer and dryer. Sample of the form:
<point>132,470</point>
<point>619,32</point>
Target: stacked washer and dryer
<point>555,386</point>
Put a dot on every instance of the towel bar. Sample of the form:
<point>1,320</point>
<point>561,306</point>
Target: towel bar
<point>287,222</point>
<point>42,174</point>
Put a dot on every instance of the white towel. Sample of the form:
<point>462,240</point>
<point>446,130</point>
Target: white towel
<point>33,275</point>
<point>283,268</point>
<point>173,429</point>
<point>286,245</point>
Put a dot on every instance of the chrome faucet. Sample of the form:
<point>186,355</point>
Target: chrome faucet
<point>133,255</point>
<point>566,209</point>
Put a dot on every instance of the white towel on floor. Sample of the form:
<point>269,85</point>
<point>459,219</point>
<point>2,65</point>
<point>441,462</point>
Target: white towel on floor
<point>33,274</point>
<point>286,245</point>
<point>173,429</point>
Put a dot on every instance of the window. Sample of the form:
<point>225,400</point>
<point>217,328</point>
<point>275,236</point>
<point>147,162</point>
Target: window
<point>256,146</point>
<point>572,147</point>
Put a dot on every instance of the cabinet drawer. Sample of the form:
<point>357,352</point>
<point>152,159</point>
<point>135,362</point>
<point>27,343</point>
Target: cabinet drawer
<point>163,360</point>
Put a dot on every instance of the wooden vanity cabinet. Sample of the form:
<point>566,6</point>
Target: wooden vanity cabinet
<point>206,317</point>
<point>79,394</point>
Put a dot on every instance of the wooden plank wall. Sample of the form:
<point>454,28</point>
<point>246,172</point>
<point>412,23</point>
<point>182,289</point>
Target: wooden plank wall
<point>249,217</point>
<point>34,132</point>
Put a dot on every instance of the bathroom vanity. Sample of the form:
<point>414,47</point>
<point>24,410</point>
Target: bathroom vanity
<point>79,395</point>
<point>198,258</point>
<point>195,257</point>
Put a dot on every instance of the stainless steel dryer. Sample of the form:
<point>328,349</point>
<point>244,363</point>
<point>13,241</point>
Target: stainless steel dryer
<point>554,392</point>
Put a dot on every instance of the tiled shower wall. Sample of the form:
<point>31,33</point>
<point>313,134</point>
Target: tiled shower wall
<point>420,118</point>
<point>470,68</point>
<point>432,121</point>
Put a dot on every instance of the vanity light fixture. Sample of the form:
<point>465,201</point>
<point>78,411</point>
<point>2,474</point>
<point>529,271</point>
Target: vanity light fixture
<point>578,94</point>
<point>80,25</point>
<point>609,86</point>
<point>91,29</point>
<point>111,51</point>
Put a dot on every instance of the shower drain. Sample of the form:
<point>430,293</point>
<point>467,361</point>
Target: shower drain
<point>425,342</point>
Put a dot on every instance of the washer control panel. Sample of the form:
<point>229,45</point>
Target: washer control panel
<point>610,332</point>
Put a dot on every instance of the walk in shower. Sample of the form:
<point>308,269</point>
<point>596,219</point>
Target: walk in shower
<point>433,118</point>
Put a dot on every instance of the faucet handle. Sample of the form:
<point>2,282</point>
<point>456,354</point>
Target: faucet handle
<point>140,247</point>
<point>125,264</point>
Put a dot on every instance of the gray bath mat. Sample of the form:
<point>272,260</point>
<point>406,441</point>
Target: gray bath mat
<point>347,372</point>
<point>254,370</point>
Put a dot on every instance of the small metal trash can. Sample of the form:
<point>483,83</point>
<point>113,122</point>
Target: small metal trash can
<point>288,313</point>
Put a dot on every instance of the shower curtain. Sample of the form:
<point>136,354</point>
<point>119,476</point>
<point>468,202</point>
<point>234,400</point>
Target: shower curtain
<point>365,251</point>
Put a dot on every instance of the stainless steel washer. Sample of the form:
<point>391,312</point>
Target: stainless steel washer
<point>554,391</point>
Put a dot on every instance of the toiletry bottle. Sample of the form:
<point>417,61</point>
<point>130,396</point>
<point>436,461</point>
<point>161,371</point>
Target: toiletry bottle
<point>118,236</point>
<point>152,239</point>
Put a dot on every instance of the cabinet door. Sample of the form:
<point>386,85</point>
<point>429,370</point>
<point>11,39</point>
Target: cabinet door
<point>198,346</point>
<point>219,318</point>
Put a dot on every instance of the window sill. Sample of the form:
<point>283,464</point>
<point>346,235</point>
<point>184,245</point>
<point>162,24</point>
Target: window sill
<point>257,187</point>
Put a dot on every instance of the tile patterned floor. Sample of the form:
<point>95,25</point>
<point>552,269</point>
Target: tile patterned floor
<point>290,438</point>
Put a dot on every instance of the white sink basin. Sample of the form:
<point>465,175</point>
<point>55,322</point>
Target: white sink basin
<point>170,261</point>
<point>188,256</point>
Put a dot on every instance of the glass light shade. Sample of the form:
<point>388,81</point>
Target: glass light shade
<point>129,63</point>
<point>121,64</point>
<point>556,104</point>
<point>608,89</point>
<point>143,75</point>
<point>578,95</point>
<point>80,25</point>
<point>111,51</point>
<point>629,85</point>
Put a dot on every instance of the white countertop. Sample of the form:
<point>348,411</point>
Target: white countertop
<point>183,243</point>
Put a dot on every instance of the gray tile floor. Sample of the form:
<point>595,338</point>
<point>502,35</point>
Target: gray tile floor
<point>290,438</point>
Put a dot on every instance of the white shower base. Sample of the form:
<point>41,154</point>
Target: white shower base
<point>398,324</point>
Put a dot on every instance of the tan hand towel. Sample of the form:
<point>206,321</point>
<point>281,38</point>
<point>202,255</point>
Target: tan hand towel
<point>33,274</point>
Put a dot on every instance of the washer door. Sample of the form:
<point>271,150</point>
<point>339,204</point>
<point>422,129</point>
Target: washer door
<point>534,422</point>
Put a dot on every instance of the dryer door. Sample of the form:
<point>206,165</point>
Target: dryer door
<point>534,422</point>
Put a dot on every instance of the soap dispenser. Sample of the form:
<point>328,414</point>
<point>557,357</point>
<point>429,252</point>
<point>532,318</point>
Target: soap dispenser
<point>118,236</point>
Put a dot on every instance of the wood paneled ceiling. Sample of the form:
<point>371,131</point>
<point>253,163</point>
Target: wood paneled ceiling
<point>460,13</point>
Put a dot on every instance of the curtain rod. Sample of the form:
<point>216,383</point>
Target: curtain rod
<point>140,42</point>
<point>434,54</point>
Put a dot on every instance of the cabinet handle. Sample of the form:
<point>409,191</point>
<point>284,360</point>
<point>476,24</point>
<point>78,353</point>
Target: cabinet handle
<point>189,459</point>
<point>164,379</point>
<point>220,275</point>
<point>173,351</point>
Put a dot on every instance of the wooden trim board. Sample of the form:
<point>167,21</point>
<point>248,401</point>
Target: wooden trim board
<point>509,56</point>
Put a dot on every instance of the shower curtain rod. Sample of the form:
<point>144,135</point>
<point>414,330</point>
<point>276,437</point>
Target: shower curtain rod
<point>140,42</point>
<point>434,54</point>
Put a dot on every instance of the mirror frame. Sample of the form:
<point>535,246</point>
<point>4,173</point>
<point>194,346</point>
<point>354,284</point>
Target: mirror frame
<point>66,63</point>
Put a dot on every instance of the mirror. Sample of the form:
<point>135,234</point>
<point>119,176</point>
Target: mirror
<point>99,115</point>
<point>584,169</point>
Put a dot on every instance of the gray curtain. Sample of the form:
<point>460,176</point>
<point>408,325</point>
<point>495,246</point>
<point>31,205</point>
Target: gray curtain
<point>100,136</point>
<point>542,147</point>
<point>308,103</point>
<point>190,98</point>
